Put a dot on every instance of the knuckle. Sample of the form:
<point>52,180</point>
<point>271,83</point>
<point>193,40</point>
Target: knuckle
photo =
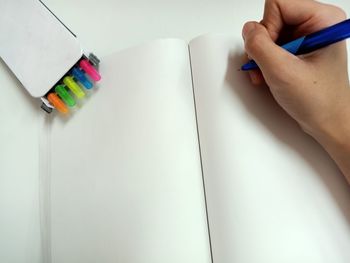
<point>252,44</point>
<point>274,2</point>
<point>284,76</point>
<point>268,2</point>
<point>338,13</point>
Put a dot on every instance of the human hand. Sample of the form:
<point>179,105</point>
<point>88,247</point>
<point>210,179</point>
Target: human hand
<point>313,88</point>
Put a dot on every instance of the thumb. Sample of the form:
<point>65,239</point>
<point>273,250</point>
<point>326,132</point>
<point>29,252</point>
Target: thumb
<point>260,47</point>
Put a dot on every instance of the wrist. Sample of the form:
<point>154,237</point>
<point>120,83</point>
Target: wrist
<point>334,134</point>
<point>336,130</point>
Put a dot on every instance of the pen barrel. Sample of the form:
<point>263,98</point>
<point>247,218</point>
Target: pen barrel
<point>325,37</point>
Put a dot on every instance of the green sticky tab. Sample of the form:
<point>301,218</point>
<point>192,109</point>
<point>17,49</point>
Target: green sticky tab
<point>65,95</point>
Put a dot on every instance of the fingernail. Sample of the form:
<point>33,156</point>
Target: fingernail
<point>247,28</point>
<point>254,77</point>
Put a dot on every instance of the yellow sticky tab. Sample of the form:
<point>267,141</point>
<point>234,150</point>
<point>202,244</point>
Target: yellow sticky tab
<point>74,87</point>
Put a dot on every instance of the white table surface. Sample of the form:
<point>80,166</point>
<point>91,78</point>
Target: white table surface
<point>104,27</point>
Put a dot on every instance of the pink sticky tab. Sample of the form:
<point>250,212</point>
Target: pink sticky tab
<point>90,70</point>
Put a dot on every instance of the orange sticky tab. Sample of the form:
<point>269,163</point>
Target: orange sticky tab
<point>57,103</point>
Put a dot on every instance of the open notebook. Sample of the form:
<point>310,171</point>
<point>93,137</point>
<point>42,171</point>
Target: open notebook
<point>177,158</point>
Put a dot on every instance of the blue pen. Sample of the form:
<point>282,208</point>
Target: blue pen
<point>312,42</point>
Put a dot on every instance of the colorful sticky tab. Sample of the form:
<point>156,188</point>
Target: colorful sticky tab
<point>90,70</point>
<point>74,87</point>
<point>80,76</point>
<point>61,97</point>
<point>65,95</point>
<point>57,103</point>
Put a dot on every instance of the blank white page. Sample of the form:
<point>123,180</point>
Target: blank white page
<point>125,176</point>
<point>274,196</point>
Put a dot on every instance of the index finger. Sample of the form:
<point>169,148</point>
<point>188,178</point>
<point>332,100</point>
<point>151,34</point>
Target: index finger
<point>307,16</point>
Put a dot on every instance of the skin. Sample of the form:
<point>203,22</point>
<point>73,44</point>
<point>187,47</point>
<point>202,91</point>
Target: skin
<point>314,88</point>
